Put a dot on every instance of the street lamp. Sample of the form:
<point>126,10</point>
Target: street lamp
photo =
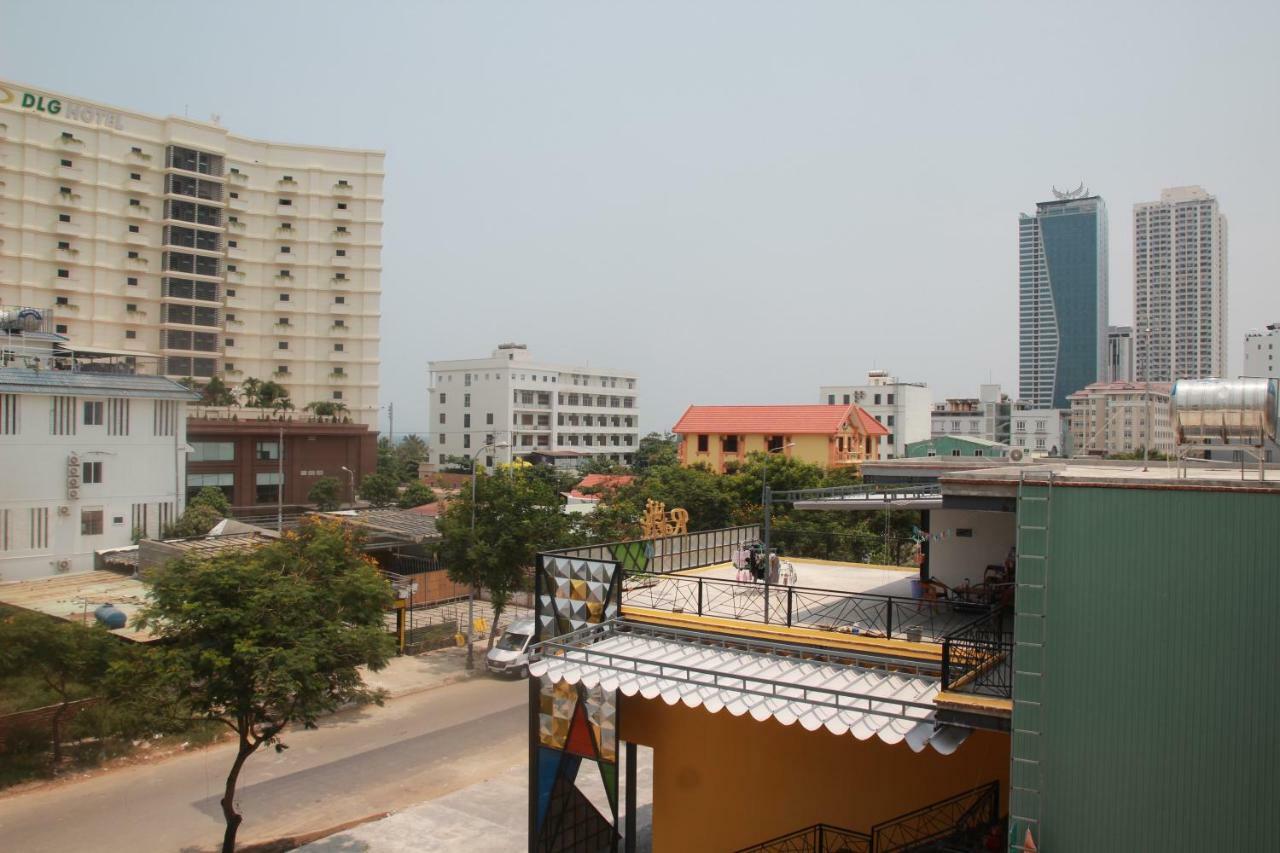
<point>471,593</point>
<point>351,479</point>
<point>768,511</point>
<point>1146,445</point>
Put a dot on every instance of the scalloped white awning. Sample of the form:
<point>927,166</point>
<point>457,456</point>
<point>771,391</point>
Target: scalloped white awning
<point>861,701</point>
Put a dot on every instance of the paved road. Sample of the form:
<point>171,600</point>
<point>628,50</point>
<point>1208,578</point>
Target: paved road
<point>356,764</point>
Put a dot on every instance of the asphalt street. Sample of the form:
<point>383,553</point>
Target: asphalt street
<point>355,764</point>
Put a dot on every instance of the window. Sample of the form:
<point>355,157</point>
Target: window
<point>222,482</point>
<point>267,451</point>
<point>342,253</point>
<point>466,420</point>
<point>93,413</point>
<point>133,255</point>
<point>64,245</point>
<point>235,195</point>
<point>702,443</point>
<point>91,473</point>
<point>846,399</point>
<point>284,297</point>
<point>442,417</point>
<point>284,202</point>
<point>134,229</point>
<point>130,335</point>
<point>955,452</point>
<point>442,398</point>
<point>267,485</point>
<point>889,399</point>
<point>338,347</point>
<point>131,308</point>
<point>212,451</point>
<point>64,273</point>
<point>66,163</point>
<point>285,250</point>
<point>831,399</point>
<point>64,217</point>
<point>340,300</point>
<point>340,324</point>
<point>135,176</point>
<point>61,300</point>
<point>342,205</point>
<point>230,292</point>
<point>230,342</point>
<point>91,522</point>
<point>60,329</point>
<point>133,202</point>
<point>729,444</point>
<point>282,345</point>
<point>466,440</point>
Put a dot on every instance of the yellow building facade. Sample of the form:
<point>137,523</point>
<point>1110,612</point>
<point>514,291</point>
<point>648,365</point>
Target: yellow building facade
<point>828,436</point>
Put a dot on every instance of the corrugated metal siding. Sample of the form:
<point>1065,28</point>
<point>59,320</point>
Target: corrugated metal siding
<point>1160,675</point>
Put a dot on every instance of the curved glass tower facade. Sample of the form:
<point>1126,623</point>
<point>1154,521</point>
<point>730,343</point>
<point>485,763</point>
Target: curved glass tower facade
<point>1062,299</point>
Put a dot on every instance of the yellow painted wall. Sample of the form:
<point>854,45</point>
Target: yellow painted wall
<point>808,448</point>
<point>723,783</point>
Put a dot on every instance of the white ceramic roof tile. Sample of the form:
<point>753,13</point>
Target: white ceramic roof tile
<point>869,702</point>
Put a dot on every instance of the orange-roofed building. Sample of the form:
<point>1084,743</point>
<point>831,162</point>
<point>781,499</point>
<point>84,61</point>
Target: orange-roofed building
<point>830,436</point>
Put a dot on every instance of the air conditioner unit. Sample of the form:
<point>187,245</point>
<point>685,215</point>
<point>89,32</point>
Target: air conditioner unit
<point>64,510</point>
<point>73,482</point>
<point>1016,455</point>
<point>64,565</point>
<point>73,459</point>
<point>74,494</point>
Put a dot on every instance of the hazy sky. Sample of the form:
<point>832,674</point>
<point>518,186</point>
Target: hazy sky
<point>738,201</point>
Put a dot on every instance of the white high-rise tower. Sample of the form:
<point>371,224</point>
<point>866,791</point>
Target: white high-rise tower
<point>1179,287</point>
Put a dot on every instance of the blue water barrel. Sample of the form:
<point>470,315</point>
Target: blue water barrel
<point>110,616</point>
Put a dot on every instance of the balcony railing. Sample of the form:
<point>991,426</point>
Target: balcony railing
<point>918,620</point>
<point>978,657</point>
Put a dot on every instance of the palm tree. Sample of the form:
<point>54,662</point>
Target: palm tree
<point>251,390</point>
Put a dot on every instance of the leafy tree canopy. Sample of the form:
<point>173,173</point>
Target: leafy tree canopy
<point>326,494</point>
<point>262,640</point>
<point>379,489</point>
<point>415,494</point>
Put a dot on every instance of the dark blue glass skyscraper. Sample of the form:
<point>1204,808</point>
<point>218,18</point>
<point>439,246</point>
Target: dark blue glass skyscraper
<point>1062,298</point>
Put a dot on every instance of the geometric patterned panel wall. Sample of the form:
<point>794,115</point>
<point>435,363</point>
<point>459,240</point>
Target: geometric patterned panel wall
<point>574,723</point>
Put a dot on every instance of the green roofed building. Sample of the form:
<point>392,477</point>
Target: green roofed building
<point>957,445</point>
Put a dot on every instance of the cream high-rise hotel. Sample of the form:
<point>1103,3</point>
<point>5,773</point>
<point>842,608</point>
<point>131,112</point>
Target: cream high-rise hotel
<point>216,254</point>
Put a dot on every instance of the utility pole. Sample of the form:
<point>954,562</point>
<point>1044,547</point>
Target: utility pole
<point>391,423</point>
<point>280,485</point>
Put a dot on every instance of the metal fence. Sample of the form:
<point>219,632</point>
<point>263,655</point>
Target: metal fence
<point>669,553</point>
<point>870,614</point>
<point>818,838</point>
<point>978,657</point>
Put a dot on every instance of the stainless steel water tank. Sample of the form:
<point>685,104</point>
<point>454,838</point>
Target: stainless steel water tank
<point>1232,411</point>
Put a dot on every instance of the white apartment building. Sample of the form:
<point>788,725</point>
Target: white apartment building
<point>532,406</point>
<point>1121,417</point>
<point>985,416</point>
<point>89,457</point>
<point>1041,432</point>
<point>1179,287</point>
<point>903,407</point>
<point>220,254</point>
<point>1260,353</point>
<point>1118,366</point>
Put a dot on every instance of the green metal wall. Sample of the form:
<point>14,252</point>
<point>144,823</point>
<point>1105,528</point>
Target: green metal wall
<point>944,444</point>
<point>1148,670</point>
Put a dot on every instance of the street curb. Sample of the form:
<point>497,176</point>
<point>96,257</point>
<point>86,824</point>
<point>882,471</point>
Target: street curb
<point>424,688</point>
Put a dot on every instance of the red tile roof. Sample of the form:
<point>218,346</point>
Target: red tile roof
<point>774,420</point>
<point>599,482</point>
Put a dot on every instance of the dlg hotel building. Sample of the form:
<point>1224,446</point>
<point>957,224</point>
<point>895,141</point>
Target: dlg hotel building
<point>192,248</point>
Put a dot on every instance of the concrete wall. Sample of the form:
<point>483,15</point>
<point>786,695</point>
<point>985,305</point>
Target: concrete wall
<point>722,782</point>
<point>953,558</point>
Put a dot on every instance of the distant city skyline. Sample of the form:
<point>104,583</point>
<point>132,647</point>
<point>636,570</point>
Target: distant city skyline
<point>739,203</point>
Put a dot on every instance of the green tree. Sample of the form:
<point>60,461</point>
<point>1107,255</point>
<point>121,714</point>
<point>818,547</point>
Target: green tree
<point>517,514</point>
<point>704,494</point>
<point>379,489</point>
<point>408,453</point>
<point>250,391</point>
<point>216,393</point>
<point>415,494</point>
<point>326,494</point>
<point>69,660</point>
<point>263,640</point>
<point>456,465</point>
<point>655,450</point>
<point>601,465</point>
<point>326,408</point>
<point>203,511</point>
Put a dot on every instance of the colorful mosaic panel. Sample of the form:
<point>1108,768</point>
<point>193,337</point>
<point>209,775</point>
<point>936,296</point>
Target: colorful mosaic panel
<point>575,722</point>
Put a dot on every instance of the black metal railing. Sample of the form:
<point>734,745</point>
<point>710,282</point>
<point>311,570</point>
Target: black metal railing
<point>978,657</point>
<point>818,838</point>
<point>962,819</point>
<point>666,554</point>
<point>864,613</point>
<point>873,493</point>
<point>412,564</point>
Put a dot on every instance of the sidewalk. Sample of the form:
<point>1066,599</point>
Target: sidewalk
<point>410,674</point>
<point>488,817</point>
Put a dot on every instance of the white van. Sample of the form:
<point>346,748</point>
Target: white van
<point>510,655</point>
